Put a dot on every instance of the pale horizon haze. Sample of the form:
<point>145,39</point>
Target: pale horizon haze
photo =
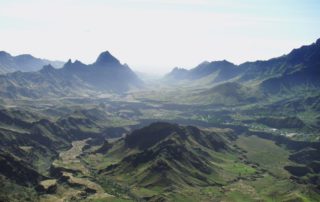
<point>154,36</point>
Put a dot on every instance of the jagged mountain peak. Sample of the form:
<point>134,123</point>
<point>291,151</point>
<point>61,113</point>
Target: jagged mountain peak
<point>73,65</point>
<point>69,61</point>
<point>78,62</point>
<point>106,58</point>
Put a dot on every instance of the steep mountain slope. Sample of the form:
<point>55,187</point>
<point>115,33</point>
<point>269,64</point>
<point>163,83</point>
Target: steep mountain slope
<point>169,162</point>
<point>33,141</point>
<point>74,79</point>
<point>48,82</point>
<point>24,63</point>
<point>30,140</point>
<point>107,73</point>
<point>297,70</point>
<point>302,70</point>
<point>166,156</point>
<point>29,144</point>
<point>18,170</point>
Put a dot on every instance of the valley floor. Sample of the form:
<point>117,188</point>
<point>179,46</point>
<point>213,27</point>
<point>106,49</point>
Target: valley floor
<point>75,182</point>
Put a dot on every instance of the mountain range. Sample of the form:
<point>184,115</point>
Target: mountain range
<point>23,63</point>
<point>169,162</point>
<point>217,132</point>
<point>168,154</point>
<point>296,70</point>
<point>299,68</point>
<point>107,74</point>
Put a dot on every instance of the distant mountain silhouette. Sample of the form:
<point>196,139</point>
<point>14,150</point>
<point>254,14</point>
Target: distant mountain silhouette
<point>24,63</point>
<point>222,69</point>
<point>73,79</point>
<point>299,67</point>
<point>106,73</point>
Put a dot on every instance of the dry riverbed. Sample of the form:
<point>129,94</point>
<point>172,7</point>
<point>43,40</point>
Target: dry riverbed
<point>74,182</point>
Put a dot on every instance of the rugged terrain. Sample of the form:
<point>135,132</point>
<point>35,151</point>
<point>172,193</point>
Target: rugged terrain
<point>218,132</point>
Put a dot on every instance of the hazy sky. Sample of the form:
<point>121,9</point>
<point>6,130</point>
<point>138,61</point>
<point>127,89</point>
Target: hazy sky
<point>156,35</point>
